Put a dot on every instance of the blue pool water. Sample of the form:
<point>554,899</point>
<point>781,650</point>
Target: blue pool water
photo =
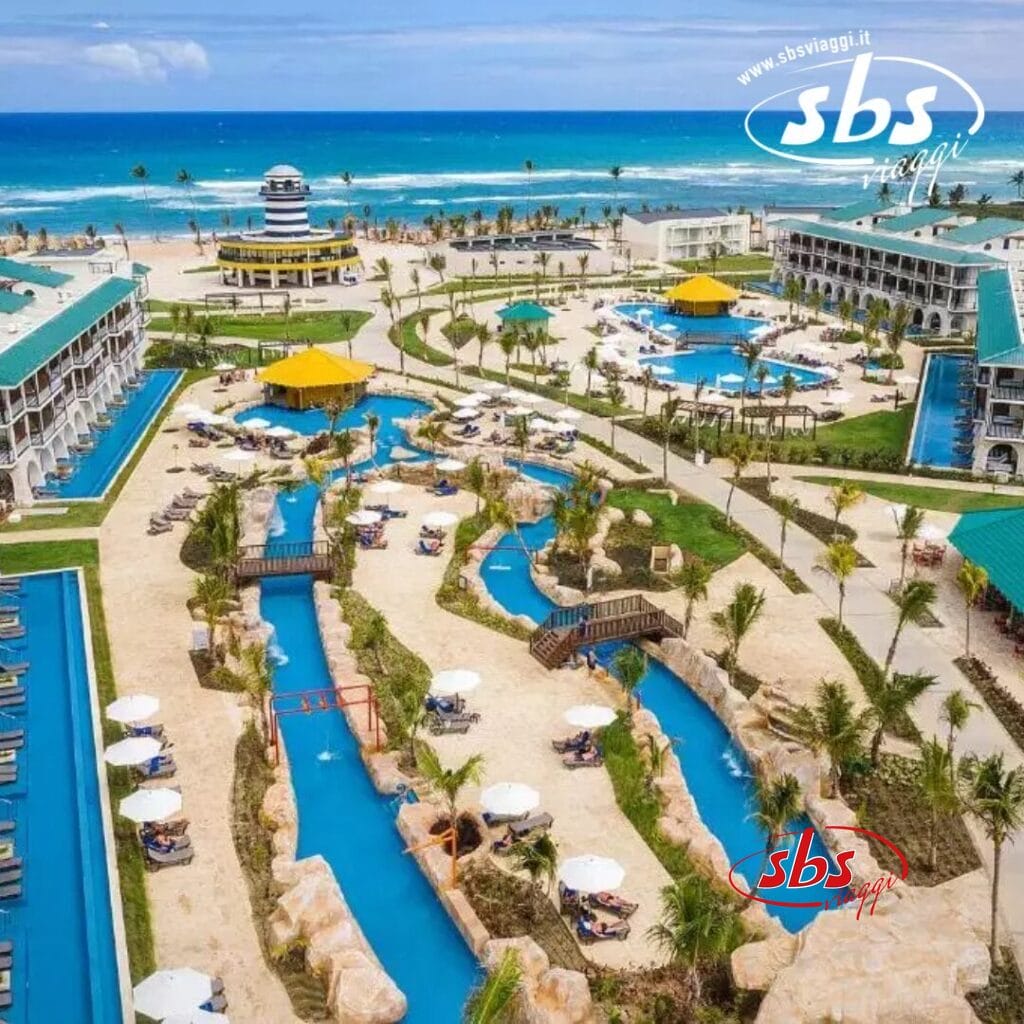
<point>709,362</point>
<point>314,421</point>
<point>936,431</point>
<point>716,771</point>
<point>65,968</point>
<point>95,470</point>
<point>741,326</point>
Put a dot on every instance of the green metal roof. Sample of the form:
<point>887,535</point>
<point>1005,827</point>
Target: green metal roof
<point>30,273</point>
<point>984,230</point>
<point>140,269</point>
<point>46,340</point>
<point>865,208</point>
<point>879,240</point>
<point>922,217</point>
<point>994,539</point>
<point>999,339</point>
<point>524,311</point>
<point>11,302</point>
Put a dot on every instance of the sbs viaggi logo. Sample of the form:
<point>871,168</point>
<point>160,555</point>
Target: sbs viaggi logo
<point>852,104</point>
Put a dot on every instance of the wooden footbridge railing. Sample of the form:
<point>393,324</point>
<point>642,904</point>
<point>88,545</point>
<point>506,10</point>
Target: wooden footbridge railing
<point>284,559</point>
<point>622,618</point>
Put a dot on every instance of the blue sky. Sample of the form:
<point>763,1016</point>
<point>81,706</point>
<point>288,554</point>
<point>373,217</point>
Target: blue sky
<point>457,54</point>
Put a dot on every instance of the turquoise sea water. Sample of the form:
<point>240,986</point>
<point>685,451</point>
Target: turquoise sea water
<point>409,165</point>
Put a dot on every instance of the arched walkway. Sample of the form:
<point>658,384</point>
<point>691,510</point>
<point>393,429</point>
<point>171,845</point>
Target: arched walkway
<point>917,320</point>
<point>1004,454</point>
<point>34,474</point>
<point>935,322</point>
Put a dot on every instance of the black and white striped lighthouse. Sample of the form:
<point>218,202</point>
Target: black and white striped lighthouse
<point>284,199</point>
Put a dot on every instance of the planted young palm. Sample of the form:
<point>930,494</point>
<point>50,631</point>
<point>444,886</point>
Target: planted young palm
<point>971,581</point>
<point>777,803</point>
<point>494,1000</point>
<point>256,677</point>
<point>698,928</point>
<point>995,796</point>
<point>842,498</point>
<point>475,480</point>
<point>935,785</point>
<point>839,560</point>
<point>698,392</point>
<point>212,593</point>
<point>629,666</point>
<point>539,859</point>
<point>345,446</point>
<point>907,528</point>
<point>891,702</point>
<point>693,578</point>
<point>787,506</point>
<point>750,353</point>
<point>955,711</point>
<point>914,604</point>
<point>507,343</point>
<point>735,621</point>
<point>899,321</point>
<point>666,418</point>
<point>740,458</point>
<point>448,783</point>
<point>616,399</point>
<point>581,525</point>
<point>591,362</point>
<point>832,726</point>
<point>372,421</point>
<point>332,410</point>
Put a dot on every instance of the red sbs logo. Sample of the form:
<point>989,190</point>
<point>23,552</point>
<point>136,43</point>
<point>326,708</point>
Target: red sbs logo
<point>794,868</point>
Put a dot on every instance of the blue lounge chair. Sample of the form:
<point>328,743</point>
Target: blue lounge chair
<point>590,932</point>
<point>429,547</point>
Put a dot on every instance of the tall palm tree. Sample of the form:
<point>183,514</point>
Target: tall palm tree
<point>908,527</point>
<point>787,506</point>
<point>698,928</point>
<point>256,677</point>
<point>345,446</point>
<point>666,417</point>
<point>735,621</point>
<point>629,666</point>
<point>475,480</point>
<point>333,409</point>
<point>693,578</point>
<point>750,353</point>
<point>616,396</point>
<point>899,321</point>
<point>971,580</point>
<point>119,231</point>
<point>914,602</point>
<point>508,342</point>
<point>583,261</point>
<point>372,421</point>
<point>528,166</point>
<point>591,363</point>
<point>832,726</point>
<point>844,496</point>
<point>839,560</point>
<point>776,804</point>
<point>935,784</point>
<point>956,709</point>
<point>184,178</point>
<point>995,796</point>
<point>494,1000</point>
<point>484,337</point>
<point>740,457</point>
<point>791,293</point>
<point>891,702</point>
<point>695,416</point>
<point>139,173</point>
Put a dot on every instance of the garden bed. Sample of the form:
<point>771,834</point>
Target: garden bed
<point>1001,1001</point>
<point>1000,701</point>
<point>626,544</point>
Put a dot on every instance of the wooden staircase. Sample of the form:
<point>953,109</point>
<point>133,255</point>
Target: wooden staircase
<point>622,618</point>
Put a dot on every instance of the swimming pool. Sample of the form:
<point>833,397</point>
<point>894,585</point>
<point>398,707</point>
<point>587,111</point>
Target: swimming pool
<point>717,772</point>
<point>95,471</point>
<point>709,363</point>
<point>736,326</point>
<point>62,927</point>
<point>936,433</point>
<point>314,421</point>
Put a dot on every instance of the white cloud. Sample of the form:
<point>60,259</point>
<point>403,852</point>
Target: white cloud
<point>151,60</point>
<point>182,55</point>
<point>101,25</point>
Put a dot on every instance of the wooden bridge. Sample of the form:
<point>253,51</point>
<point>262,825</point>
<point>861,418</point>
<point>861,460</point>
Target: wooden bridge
<point>622,618</point>
<point>284,559</point>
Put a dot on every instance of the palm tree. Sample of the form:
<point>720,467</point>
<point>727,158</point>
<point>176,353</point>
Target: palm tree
<point>438,263</point>
<point>698,928</point>
<point>787,506</point>
<point>955,711</point>
<point>474,479</point>
<point>936,787</point>
<point>629,666</point>
<point>740,458</point>
<point>884,193</point>
<point>484,337</point>
<point>647,381</point>
<point>256,677</point>
<point>995,796</point>
<point>332,410</point>
<point>971,580</point>
<point>591,362</point>
<point>913,603</point>
<point>448,783</point>
<point>119,231</point>
<point>777,803</point>
<point>736,620</point>
<point>831,726</point>
<point>844,496</point>
<point>494,1000</point>
<point>616,399</point>
<point>211,593</point>
<point>907,529</point>
<point>890,704</point>
<point>791,293</point>
<point>528,166</point>
<point>508,343</point>
<point>1017,180</point>
<point>183,177</point>
<point>666,416</point>
<point>139,173</point>
<point>845,311</point>
<point>750,352</point>
<point>539,859</point>
<point>693,578</point>
<point>583,261</point>
<point>839,560</point>
<point>345,446</point>
<point>698,391</point>
<point>372,421</point>
<point>899,321</point>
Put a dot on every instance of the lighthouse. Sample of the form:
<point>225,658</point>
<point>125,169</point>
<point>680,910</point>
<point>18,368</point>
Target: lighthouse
<point>285,196</point>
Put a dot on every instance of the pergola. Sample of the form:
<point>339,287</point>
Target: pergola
<point>771,413</point>
<point>717,411</point>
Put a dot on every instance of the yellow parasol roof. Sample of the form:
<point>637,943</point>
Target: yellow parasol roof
<point>315,368</point>
<point>702,288</point>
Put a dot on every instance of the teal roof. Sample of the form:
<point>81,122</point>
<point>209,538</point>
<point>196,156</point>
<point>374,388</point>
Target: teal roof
<point>46,340</point>
<point>11,302</point>
<point>855,211</point>
<point>999,339</point>
<point>30,273</point>
<point>880,240</point>
<point>524,311</point>
<point>984,230</point>
<point>994,539</point>
<point>140,269</point>
<point>922,217</point>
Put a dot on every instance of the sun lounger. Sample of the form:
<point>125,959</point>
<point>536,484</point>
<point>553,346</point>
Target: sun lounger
<point>11,632</point>
<point>16,668</point>
<point>7,827</point>
<point>10,609</point>
<point>537,823</point>
<point>157,769</point>
<point>215,1004</point>
<point>156,730</point>
<point>589,932</point>
<point>156,859</point>
<point>441,724</point>
<point>177,827</point>
<point>8,774</point>
<point>148,835</point>
<point>613,904</point>
<point>10,877</point>
<point>157,528</point>
<point>10,864</point>
<point>429,547</point>
<point>10,584</point>
<point>492,820</point>
<point>584,759</point>
<point>581,741</point>
<point>10,892</point>
<point>12,700</point>
<point>14,739</point>
<point>176,513</point>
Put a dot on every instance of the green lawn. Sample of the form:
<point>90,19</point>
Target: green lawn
<point>740,261</point>
<point>413,343</point>
<point>874,431</point>
<point>318,326</point>
<point>692,525</point>
<point>936,499</point>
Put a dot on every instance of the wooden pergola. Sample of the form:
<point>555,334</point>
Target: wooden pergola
<point>717,411</point>
<point>771,413</point>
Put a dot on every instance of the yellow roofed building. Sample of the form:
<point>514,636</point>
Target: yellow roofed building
<point>701,296</point>
<point>312,378</point>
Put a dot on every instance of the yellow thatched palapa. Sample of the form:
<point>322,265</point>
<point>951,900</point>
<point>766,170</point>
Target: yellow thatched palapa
<point>313,377</point>
<point>701,296</point>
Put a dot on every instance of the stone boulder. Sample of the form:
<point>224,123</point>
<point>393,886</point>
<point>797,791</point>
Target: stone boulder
<point>641,518</point>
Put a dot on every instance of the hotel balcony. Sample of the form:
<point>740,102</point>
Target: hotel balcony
<point>88,388</point>
<point>1005,392</point>
<point>1005,428</point>
<point>15,409</point>
<point>85,357</point>
<point>43,434</point>
<point>37,399</point>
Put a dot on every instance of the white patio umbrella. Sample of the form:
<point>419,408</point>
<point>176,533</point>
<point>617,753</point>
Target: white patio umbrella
<point>468,413</point>
<point>519,410</point>
<point>363,517</point>
<point>454,680</point>
<point>494,386</point>
<point>660,370</point>
<point>216,419</point>
<point>562,428</point>
<point>591,873</point>
<point>282,432</point>
<point>189,409</point>
<point>387,487</point>
<point>197,1017</point>
<point>668,328</point>
<point>136,707</point>
<point>769,381</point>
<point>400,454</point>
<point>931,532</point>
<point>569,415</point>
<point>223,367</point>
<point>539,423</point>
<point>134,750</point>
<point>470,401</point>
<point>509,798</point>
<point>730,378</point>
<point>590,716</point>
<point>440,520</point>
<point>180,990</point>
<point>514,395</point>
<point>450,465</point>
<point>256,423</point>
<point>146,805</point>
<point>528,399</point>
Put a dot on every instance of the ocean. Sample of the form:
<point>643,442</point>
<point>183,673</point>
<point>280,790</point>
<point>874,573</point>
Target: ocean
<point>64,171</point>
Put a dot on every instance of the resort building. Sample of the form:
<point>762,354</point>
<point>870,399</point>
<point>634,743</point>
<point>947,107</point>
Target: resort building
<point>312,378</point>
<point>550,253</point>
<point>288,252</point>
<point>667,235</point>
<point>71,341</point>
